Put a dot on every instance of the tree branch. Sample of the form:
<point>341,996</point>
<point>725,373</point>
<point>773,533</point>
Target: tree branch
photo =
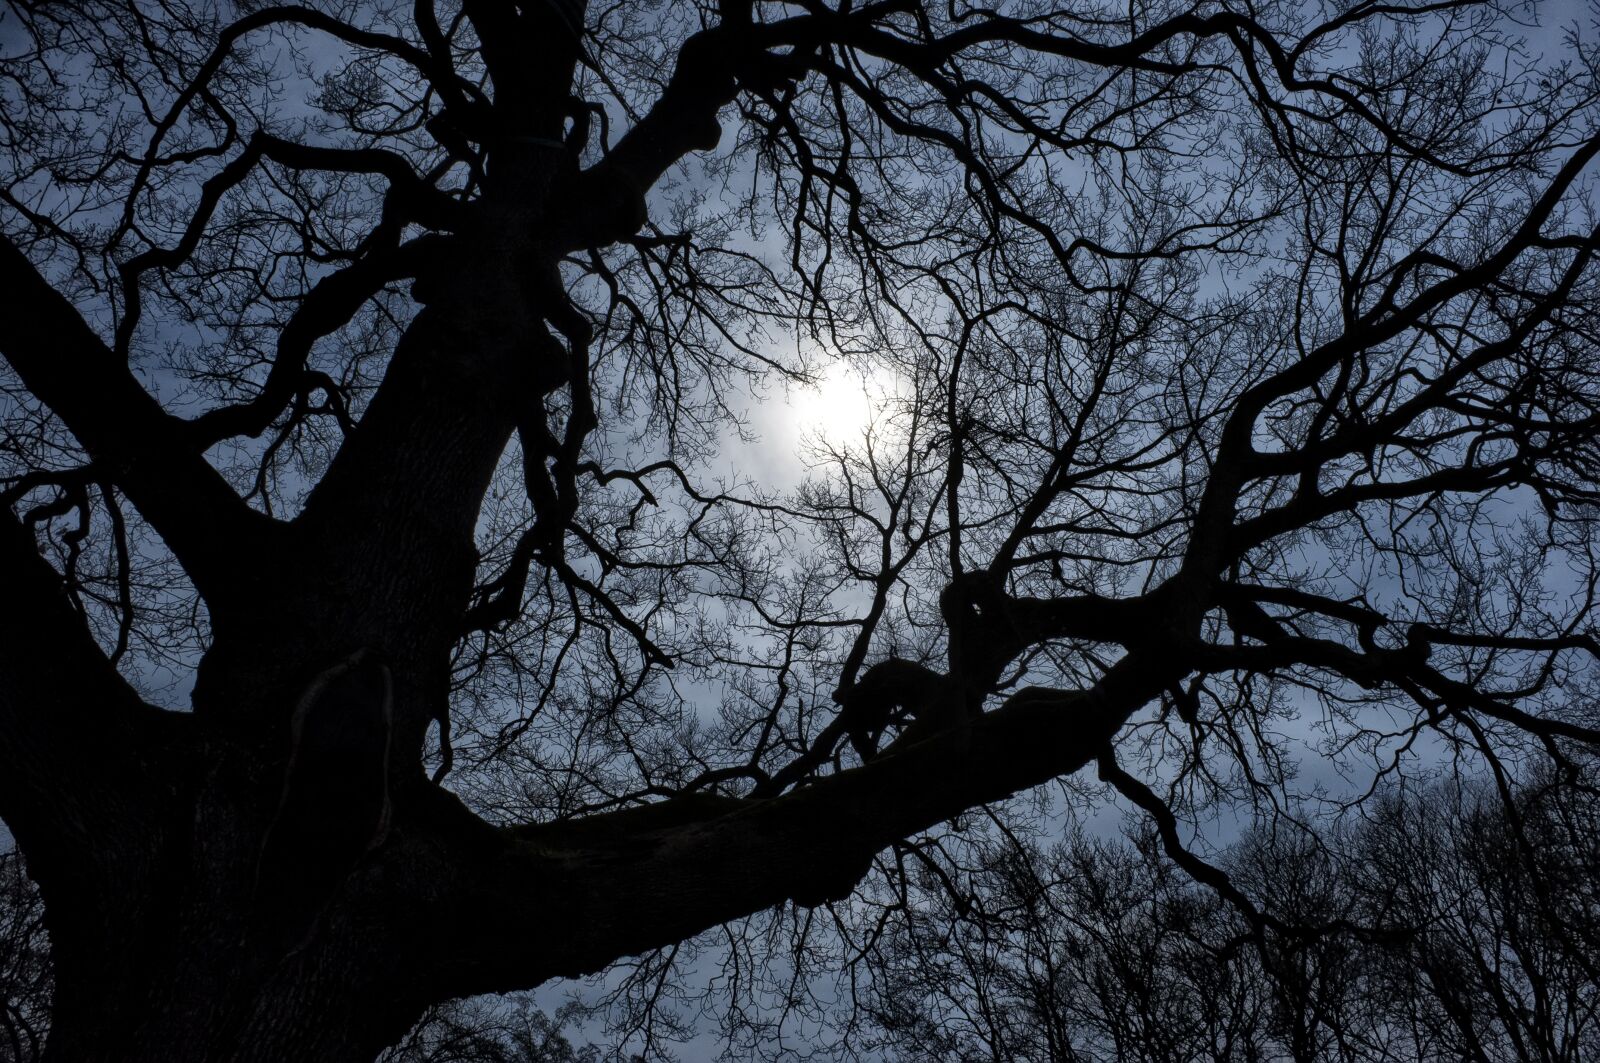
<point>132,440</point>
<point>79,751</point>
<point>632,886</point>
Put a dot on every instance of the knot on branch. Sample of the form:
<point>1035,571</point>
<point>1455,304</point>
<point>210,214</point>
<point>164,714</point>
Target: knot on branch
<point>830,881</point>
<point>904,695</point>
<point>988,627</point>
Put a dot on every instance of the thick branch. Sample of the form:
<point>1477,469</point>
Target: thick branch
<point>332,302</point>
<point>629,890</point>
<point>133,442</point>
<point>76,744</point>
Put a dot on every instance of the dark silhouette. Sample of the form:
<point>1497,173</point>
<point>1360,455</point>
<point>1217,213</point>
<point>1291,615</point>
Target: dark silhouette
<point>369,362</point>
<point>1447,927</point>
<point>25,975</point>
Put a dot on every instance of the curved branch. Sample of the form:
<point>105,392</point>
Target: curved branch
<point>310,18</point>
<point>133,442</point>
<point>327,306</point>
<point>630,889</point>
<point>410,199</point>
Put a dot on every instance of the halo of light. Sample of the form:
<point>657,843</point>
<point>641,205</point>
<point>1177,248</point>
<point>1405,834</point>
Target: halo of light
<point>841,406</point>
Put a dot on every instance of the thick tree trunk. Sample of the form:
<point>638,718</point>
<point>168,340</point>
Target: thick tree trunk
<point>265,933</point>
<point>253,880</point>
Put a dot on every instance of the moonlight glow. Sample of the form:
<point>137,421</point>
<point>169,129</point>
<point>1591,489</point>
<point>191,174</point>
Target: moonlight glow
<point>843,404</point>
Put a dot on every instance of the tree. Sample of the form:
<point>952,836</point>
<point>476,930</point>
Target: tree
<point>1095,950</point>
<point>472,1032</point>
<point>367,362</point>
<point>24,964</point>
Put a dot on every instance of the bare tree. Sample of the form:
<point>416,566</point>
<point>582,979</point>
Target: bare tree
<point>1501,923</point>
<point>25,974</point>
<point>367,362</point>
<point>513,1030</point>
<point>1449,926</point>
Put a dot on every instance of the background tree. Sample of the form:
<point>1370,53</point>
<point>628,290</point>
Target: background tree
<point>1456,929</point>
<point>476,1032</point>
<point>24,964</point>
<point>366,362</point>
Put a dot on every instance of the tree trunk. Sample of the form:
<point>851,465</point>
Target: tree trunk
<point>267,933</point>
<point>303,1007</point>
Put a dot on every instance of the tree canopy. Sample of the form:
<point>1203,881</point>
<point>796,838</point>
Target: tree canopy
<point>396,609</point>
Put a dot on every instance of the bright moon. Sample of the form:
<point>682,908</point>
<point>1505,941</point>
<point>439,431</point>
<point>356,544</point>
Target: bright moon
<point>842,405</point>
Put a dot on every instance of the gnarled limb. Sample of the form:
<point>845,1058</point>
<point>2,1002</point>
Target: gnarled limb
<point>133,442</point>
<point>634,889</point>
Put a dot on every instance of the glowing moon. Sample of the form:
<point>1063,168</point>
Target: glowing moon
<point>842,405</point>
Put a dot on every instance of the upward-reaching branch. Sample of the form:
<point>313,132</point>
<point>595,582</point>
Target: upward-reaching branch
<point>132,441</point>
